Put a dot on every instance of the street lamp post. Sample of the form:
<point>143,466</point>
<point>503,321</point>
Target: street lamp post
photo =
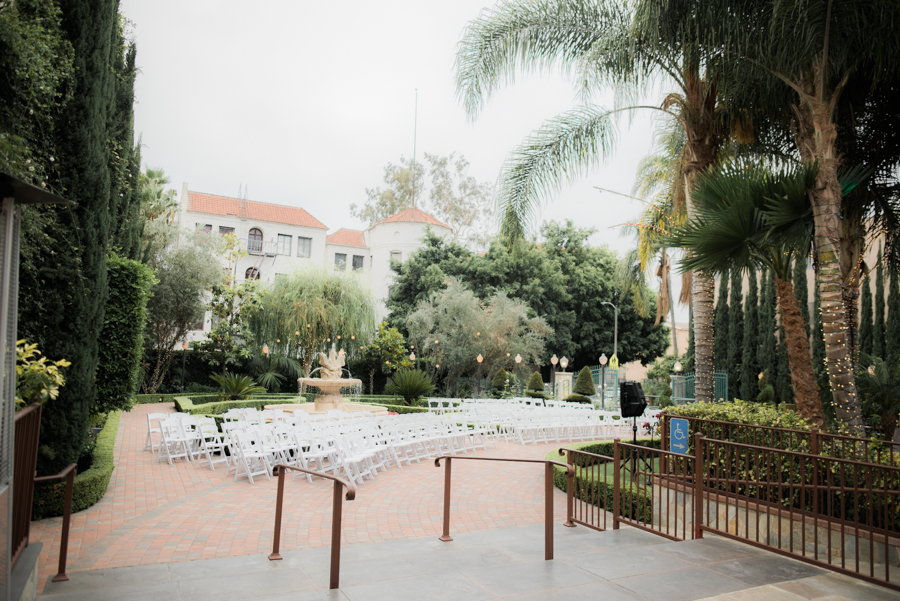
<point>184,347</point>
<point>603,361</point>
<point>518,384</point>
<point>553,360</point>
<point>479,358</point>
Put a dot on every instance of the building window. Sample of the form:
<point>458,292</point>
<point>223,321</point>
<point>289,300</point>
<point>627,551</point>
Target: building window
<point>396,255</point>
<point>340,261</point>
<point>205,227</point>
<point>284,244</point>
<point>304,247</point>
<point>255,241</point>
<point>252,273</point>
<point>357,262</point>
<point>224,231</point>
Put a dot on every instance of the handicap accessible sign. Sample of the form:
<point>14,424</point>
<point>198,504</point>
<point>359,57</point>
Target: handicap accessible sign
<point>678,436</point>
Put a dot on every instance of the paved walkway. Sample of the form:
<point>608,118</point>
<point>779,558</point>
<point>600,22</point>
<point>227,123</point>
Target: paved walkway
<point>155,513</point>
<point>623,565</point>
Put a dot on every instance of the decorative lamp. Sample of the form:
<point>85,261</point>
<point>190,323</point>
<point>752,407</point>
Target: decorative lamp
<point>479,358</point>
<point>564,362</point>
<point>265,349</point>
<point>603,359</point>
<point>518,358</point>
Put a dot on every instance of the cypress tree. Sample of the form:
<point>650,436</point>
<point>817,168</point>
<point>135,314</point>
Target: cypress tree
<point>67,291</point>
<point>892,333</point>
<point>801,290</point>
<point>735,332</point>
<point>689,356</point>
<point>768,345</point>
<point>125,158</point>
<point>866,326</point>
<point>720,344</point>
<point>878,321</point>
<point>749,364</point>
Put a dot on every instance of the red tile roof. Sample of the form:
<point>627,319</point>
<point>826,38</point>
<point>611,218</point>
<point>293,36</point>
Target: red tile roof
<point>413,215</point>
<point>347,237</point>
<point>260,211</point>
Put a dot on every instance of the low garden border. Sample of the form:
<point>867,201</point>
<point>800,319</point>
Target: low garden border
<point>90,486</point>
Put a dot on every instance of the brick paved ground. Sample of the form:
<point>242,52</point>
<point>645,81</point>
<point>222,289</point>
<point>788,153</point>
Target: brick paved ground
<point>159,513</point>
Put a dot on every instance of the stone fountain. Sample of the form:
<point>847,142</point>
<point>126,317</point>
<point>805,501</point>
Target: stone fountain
<point>330,384</point>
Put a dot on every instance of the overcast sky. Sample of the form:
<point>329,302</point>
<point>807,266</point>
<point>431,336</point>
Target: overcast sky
<point>306,102</point>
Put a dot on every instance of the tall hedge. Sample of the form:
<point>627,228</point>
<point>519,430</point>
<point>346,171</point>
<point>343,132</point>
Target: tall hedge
<point>720,343</point>
<point>878,345</point>
<point>123,333</point>
<point>735,332</point>
<point>866,319</point>
<point>892,323</point>
<point>584,385</point>
<point>749,363</point>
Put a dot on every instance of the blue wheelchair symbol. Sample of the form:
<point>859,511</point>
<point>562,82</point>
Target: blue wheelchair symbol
<point>678,436</point>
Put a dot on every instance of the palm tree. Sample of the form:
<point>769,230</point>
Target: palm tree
<point>746,217</point>
<point>608,44</point>
<point>879,384</point>
<point>156,201</point>
<point>799,59</point>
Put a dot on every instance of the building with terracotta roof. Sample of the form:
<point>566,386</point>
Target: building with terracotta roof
<point>280,239</point>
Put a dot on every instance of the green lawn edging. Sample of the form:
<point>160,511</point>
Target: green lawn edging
<point>90,486</point>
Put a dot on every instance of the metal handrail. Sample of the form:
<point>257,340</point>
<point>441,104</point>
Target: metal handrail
<point>548,493</point>
<point>279,470</point>
<point>69,474</point>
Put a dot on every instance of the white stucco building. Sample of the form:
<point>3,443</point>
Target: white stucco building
<point>280,239</point>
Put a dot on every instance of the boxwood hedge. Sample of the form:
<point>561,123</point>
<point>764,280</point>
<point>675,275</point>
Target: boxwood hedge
<point>89,486</point>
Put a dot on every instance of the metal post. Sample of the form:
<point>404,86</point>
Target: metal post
<point>278,499</point>
<point>698,485</point>
<point>335,534</point>
<point>67,518</point>
<point>617,501</point>
<point>183,365</point>
<point>570,491</point>
<point>446,535</point>
<point>603,387</point>
<point>548,511</point>
<point>518,383</point>
<point>478,383</point>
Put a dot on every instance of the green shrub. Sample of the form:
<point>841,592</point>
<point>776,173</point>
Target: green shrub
<point>237,387</point>
<point>498,385</point>
<point>584,385</point>
<point>122,336</point>
<point>218,406</point>
<point>741,412</point>
<point>635,504</point>
<point>410,384</point>
<point>577,398</point>
<point>89,486</point>
<point>535,387</point>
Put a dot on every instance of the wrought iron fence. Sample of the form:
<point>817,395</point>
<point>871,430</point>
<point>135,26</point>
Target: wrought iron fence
<point>683,387</point>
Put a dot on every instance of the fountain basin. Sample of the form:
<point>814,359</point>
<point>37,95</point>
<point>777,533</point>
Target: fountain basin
<point>329,397</point>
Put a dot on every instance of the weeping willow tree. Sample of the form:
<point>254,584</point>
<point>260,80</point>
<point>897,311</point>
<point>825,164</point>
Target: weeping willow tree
<point>310,309</point>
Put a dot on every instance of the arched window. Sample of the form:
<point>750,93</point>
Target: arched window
<point>252,273</point>
<point>255,241</point>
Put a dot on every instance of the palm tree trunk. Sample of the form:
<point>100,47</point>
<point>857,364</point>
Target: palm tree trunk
<point>826,201</point>
<point>803,379</point>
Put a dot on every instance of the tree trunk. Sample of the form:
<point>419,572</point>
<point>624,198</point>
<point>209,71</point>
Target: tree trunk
<point>826,201</point>
<point>803,379</point>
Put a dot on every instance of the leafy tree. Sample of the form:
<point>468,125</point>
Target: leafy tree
<point>402,189</point>
<point>499,384</point>
<point>735,332</point>
<point>866,324</point>
<point>187,265</point>
<point>319,306</point>
<point>621,46</point>
<point>387,352</point>
<point>878,341</point>
<point>453,327</point>
<point>455,198</point>
<point>62,301</point>
<point>722,323</point>
<point>892,333</point>
<point>749,362</point>
<point>236,387</point>
<point>118,374</point>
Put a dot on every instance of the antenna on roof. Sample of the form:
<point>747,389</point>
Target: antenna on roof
<point>415,132</point>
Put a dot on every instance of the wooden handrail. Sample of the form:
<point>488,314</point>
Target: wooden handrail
<point>548,493</point>
<point>69,474</point>
<point>279,470</point>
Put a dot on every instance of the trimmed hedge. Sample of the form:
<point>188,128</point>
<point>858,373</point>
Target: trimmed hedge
<point>742,412</point>
<point>89,486</point>
<point>635,505</point>
<point>186,404</point>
